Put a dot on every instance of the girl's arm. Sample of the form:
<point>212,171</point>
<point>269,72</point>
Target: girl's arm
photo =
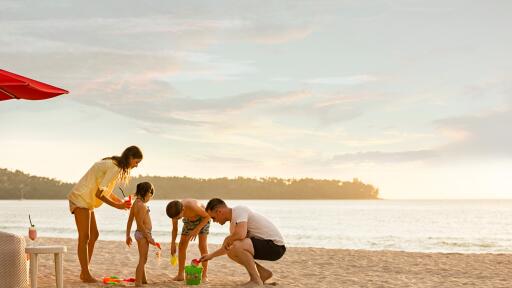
<point>129,228</point>
<point>140,213</point>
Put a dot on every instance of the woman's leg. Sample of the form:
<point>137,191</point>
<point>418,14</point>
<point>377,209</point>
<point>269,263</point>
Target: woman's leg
<point>182,257</point>
<point>93,235</point>
<point>82,220</point>
<point>203,249</point>
<point>143,246</point>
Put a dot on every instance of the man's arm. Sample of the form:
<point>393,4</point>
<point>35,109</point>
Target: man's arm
<point>239,233</point>
<point>219,252</point>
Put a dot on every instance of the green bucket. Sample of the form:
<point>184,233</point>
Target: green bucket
<point>193,274</point>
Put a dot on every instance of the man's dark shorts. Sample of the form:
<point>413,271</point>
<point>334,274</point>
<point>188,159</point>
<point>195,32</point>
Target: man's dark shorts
<point>267,249</point>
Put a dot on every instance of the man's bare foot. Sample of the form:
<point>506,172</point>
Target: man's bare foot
<point>253,284</point>
<point>265,274</point>
<point>204,279</point>
<point>138,284</point>
<point>178,278</point>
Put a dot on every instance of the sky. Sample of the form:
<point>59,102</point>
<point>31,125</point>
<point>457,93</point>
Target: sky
<point>413,97</point>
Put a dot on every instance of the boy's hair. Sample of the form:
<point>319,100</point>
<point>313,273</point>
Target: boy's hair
<point>143,188</point>
<point>214,204</point>
<point>174,208</point>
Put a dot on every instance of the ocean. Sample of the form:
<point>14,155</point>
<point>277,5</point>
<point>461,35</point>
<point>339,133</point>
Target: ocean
<point>466,226</point>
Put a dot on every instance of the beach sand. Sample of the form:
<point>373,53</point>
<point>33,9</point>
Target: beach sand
<point>300,267</point>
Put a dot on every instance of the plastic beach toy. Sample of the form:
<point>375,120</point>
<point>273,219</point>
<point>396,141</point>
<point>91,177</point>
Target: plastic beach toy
<point>128,200</point>
<point>116,280</point>
<point>193,274</point>
<point>195,262</point>
<point>174,260</point>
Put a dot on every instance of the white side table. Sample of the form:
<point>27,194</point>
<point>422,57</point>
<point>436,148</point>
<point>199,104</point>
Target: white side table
<point>58,252</point>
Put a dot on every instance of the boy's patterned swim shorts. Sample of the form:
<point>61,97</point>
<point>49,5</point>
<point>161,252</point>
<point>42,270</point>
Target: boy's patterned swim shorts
<point>188,226</point>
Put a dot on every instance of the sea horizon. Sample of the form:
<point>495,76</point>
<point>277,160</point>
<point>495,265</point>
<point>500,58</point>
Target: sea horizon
<point>451,226</point>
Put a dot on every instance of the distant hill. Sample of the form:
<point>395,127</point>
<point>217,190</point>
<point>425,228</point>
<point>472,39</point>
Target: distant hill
<point>18,185</point>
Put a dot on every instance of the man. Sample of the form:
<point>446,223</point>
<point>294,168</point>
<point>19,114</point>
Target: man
<point>252,236</point>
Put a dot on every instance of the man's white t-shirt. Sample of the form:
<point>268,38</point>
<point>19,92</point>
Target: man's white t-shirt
<point>258,226</point>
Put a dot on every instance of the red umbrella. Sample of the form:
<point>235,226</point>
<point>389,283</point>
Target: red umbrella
<point>13,86</point>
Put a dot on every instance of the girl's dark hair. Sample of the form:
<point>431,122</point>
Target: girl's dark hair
<point>174,208</point>
<point>143,188</point>
<point>123,161</point>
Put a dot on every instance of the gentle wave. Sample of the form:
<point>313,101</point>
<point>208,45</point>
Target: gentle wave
<point>423,226</point>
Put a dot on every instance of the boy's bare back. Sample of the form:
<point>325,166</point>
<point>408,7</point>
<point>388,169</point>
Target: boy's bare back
<point>193,209</point>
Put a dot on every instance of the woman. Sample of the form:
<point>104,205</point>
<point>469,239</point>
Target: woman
<point>94,189</point>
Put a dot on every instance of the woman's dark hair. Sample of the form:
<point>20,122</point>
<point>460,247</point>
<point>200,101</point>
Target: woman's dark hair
<point>123,161</point>
<point>214,204</point>
<point>143,189</point>
<point>174,208</point>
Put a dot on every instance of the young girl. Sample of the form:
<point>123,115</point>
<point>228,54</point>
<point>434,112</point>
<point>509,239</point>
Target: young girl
<point>140,212</point>
<point>195,222</point>
<point>94,189</point>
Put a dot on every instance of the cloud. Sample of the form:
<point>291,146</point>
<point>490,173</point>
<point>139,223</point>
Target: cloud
<point>385,157</point>
<point>485,135</point>
<point>348,80</point>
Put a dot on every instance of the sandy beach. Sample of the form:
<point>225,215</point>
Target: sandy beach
<point>300,267</point>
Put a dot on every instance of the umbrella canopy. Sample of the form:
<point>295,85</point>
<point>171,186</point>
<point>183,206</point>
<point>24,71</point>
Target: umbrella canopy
<point>13,86</point>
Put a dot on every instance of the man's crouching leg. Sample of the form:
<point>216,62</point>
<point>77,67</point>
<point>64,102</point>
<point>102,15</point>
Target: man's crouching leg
<point>242,252</point>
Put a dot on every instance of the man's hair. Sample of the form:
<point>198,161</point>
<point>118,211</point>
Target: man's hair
<point>174,208</point>
<point>214,204</point>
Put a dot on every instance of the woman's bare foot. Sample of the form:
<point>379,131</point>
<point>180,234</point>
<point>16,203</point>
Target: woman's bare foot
<point>87,278</point>
<point>204,279</point>
<point>178,278</point>
<point>265,274</point>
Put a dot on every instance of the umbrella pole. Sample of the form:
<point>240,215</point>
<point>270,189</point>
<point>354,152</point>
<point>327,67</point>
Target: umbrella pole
<point>8,94</point>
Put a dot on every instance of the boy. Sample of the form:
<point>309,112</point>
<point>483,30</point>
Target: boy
<point>195,222</point>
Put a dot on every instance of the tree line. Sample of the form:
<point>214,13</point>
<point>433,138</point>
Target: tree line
<point>19,185</point>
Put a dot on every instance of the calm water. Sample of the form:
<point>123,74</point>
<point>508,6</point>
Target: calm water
<point>408,225</point>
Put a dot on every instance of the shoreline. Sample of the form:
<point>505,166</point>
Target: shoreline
<point>300,267</point>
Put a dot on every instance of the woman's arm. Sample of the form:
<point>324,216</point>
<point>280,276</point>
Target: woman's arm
<point>105,199</point>
<point>114,198</point>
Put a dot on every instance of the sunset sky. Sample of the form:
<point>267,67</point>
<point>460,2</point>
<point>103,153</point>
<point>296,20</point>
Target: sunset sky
<point>414,97</point>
